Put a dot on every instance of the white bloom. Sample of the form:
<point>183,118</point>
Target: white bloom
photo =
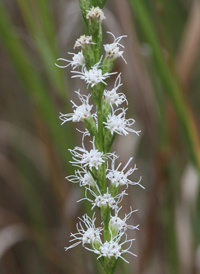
<point>93,76</point>
<point>87,180</point>
<point>83,41</point>
<point>118,123</point>
<point>83,178</point>
<point>112,96</point>
<point>119,225</point>
<point>78,60</point>
<point>114,249</point>
<point>81,112</point>
<point>105,199</point>
<point>109,249</point>
<point>90,235</point>
<point>95,13</point>
<point>120,178</point>
<point>112,50</point>
<point>82,157</point>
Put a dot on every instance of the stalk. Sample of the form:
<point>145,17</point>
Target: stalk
<point>102,126</point>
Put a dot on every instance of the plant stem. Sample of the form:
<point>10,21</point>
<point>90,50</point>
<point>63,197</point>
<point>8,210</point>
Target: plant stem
<point>101,143</point>
<point>100,124</point>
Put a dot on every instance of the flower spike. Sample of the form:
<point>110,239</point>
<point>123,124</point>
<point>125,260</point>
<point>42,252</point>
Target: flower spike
<point>105,183</point>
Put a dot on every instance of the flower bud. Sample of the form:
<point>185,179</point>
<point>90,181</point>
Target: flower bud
<point>91,126</point>
<point>85,42</point>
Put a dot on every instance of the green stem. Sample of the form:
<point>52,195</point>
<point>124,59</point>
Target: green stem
<point>101,144</point>
<point>100,125</point>
<point>106,233</point>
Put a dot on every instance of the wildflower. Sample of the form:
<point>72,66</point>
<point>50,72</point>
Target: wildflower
<point>83,178</point>
<point>105,199</point>
<point>81,112</point>
<point>78,60</point>
<point>92,76</point>
<point>94,169</point>
<point>112,50</point>
<point>112,97</point>
<point>118,123</point>
<point>95,13</point>
<point>114,249</point>
<point>90,235</point>
<point>117,224</point>
<point>84,158</point>
<point>83,41</point>
<point>120,178</point>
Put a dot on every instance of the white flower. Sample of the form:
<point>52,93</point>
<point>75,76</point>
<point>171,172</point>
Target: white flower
<point>84,178</point>
<point>114,249</point>
<point>81,112</point>
<point>117,224</point>
<point>112,96</point>
<point>90,235</point>
<point>118,123</point>
<point>109,249</point>
<point>112,50</point>
<point>105,199</point>
<point>78,60</point>
<point>84,158</point>
<point>120,178</point>
<point>93,76</point>
<point>95,13</point>
<point>83,41</point>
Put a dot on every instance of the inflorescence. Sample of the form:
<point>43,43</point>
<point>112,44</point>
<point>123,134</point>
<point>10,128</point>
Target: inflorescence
<point>97,171</point>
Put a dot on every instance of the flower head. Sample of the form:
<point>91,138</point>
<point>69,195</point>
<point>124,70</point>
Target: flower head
<point>118,123</point>
<point>118,225</point>
<point>112,96</point>
<point>95,13</point>
<point>80,112</point>
<point>112,50</point>
<point>120,178</point>
<point>114,248</point>
<point>78,60</point>
<point>92,76</point>
<point>90,235</point>
<point>106,199</point>
<point>84,158</point>
<point>83,41</point>
<point>84,178</point>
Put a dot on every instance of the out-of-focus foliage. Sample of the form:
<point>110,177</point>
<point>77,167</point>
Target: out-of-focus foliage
<point>38,206</point>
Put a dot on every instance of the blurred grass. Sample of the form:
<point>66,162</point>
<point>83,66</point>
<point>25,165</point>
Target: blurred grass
<point>45,203</point>
<point>168,76</point>
<point>31,79</point>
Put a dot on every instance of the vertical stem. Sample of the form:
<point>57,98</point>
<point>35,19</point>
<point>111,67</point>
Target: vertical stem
<point>101,144</point>
<point>100,124</point>
<point>106,232</point>
<point>105,214</point>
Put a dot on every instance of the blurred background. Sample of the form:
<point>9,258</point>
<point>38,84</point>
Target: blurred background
<point>38,208</point>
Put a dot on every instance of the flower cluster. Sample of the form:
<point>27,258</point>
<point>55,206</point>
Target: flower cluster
<point>92,76</point>
<point>105,183</point>
<point>95,13</point>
